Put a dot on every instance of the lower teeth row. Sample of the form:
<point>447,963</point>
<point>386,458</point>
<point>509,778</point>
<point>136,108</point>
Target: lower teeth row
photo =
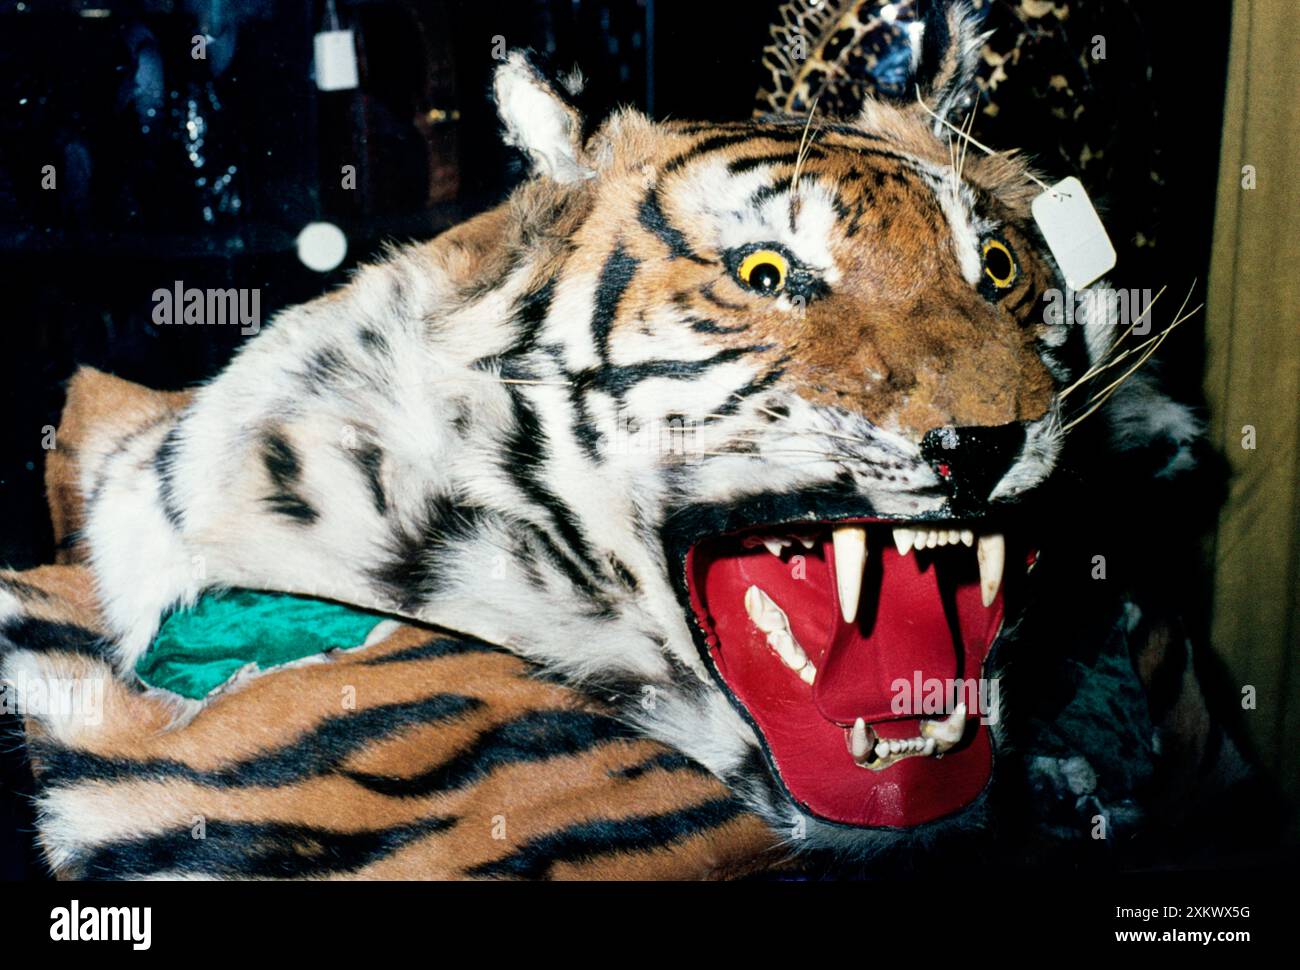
<point>936,738</point>
<point>911,745</point>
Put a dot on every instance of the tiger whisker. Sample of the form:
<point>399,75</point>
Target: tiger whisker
<point>1107,360</point>
<point>1103,395</point>
<point>864,442</point>
<point>966,130</point>
<point>484,378</point>
<point>952,168</point>
<point>805,146</point>
<point>804,432</point>
<point>791,450</point>
<point>759,437</point>
<point>767,454</point>
<point>1177,316</point>
<point>980,145</point>
<point>1157,341</point>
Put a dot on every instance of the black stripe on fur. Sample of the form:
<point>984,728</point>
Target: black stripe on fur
<point>415,566</point>
<point>285,468</point>
<point>739,166</point>
<point>701,325</point>
<point>369,459</point>
<point>45,636</point>
<point>615,277</point>
<point>254,850</point>
<point>533,737</point>
<point>523,461</point>
<point>664,761</point>
<point>435,649</point>
<point>320,751</point>
<point>163,461</point>
<point>618,380</point>
<point>588,840</point>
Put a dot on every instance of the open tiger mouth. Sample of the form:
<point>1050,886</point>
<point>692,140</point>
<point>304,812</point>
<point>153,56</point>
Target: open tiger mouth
<point>857,650</point>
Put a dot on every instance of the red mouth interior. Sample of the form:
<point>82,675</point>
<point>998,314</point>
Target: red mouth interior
<point>920,619</point>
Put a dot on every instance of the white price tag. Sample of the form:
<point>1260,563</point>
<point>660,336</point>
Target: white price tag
<point>336,61</point>
<point>1074,233</point>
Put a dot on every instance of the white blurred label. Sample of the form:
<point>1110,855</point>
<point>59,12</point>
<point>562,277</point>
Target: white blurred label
<point>322,246</point>
<point>1074,233</point>
<point>336,61</point>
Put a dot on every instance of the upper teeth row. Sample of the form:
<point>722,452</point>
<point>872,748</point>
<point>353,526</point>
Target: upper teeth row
<point>907,539</point>
<point>850,543</point>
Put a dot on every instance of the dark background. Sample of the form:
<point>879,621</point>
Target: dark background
<point>205,171</point>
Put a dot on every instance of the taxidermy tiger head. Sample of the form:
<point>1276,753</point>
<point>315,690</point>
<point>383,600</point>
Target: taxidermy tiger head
<point>740,424</point>
<point>780,389</point>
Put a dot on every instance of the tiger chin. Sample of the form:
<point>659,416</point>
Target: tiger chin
<point>735,422</point>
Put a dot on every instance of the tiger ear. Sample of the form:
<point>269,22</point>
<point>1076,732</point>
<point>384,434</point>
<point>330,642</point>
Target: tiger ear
<point>946,42</point>
<point>539,120</point>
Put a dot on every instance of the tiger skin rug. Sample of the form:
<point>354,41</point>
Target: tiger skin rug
<point>867,464</point>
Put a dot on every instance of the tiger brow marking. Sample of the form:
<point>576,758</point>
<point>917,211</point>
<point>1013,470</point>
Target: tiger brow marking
<point>706,291</point>
<point>739,165</point>
<point>765,192</point>
<point>716,143</point>
<point>652,217</point>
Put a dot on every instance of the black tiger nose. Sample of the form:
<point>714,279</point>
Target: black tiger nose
<point>970,461</point>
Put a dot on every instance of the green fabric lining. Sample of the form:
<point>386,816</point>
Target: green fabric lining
<point>199,649</point>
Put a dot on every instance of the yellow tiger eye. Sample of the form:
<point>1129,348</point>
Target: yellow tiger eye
<point>999,264</point>
<point>764,270</point>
